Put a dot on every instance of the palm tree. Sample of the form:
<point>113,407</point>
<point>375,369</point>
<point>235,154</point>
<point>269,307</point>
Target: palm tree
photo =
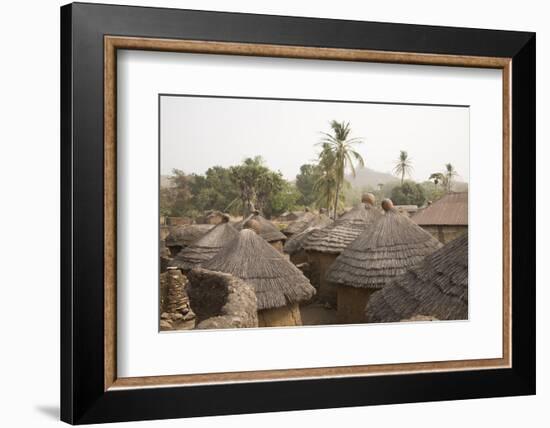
<point>437,177</point>
<point>403,166</point>
<point>338,151</point>
<point>450,174</point>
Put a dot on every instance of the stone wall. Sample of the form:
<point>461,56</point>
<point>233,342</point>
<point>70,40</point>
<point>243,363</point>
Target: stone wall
<point>221,300</point>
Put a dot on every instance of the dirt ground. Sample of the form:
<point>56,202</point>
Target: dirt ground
<point>318,314</point>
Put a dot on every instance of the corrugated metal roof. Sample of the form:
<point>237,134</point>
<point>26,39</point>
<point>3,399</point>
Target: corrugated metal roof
<point>450,210</point>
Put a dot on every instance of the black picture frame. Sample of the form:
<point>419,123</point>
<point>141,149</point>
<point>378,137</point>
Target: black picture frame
<point>83,399</point>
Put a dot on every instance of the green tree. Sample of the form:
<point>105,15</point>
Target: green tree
<point>409,193</point>
<point>338,151</point>
<point>403,166</point>
<point>437,178</point>
<point>305,184</point>
<point>256,184</point>
<point>450,173</point>
<point>175,199</point>
<point>286,199</point>
<point>432,191</point>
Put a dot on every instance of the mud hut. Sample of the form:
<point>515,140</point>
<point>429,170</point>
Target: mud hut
<point>220,300</point>
<point>294,246</point>
<point>278,284</point>
<point>324,245</point>
<point>165,256</point>
<point>206,247</point>
<point>436,289</point>
<point>211,217</point>
<point>264,228</point>
<point>181,236</point>
<point>309,219</point>
<point>446,218</point>
<point>175,313</point>
<point>380,254</point>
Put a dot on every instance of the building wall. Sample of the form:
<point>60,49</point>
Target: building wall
<point>280,317</point>
<point>446,233</point>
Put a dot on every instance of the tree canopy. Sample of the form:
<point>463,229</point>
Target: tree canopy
<point>409,193</point>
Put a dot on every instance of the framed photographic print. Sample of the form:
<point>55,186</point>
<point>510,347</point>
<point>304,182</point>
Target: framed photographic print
<point>275,213</point>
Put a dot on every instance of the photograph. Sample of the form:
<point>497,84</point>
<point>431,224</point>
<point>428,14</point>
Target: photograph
<point>281,212</point>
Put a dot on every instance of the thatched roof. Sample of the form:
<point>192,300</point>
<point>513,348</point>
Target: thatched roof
<point>338,235</point>
<point>308,219</point>
<point>436,288</point>
<point>277,282</point>
<point>206,247</point>
<point>295,243</point>
<point>450,210</point>
<point>184,235</point>
<point>267,230</point>
<point>382,252</point>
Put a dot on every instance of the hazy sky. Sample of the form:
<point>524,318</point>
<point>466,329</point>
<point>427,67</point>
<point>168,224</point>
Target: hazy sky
<point>197,133</point>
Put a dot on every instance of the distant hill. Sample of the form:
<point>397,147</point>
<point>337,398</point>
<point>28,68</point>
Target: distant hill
<point>366,177</point>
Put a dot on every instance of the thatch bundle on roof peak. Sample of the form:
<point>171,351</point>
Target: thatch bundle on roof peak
<point>437,288</point>
<point>265,228</point>
<point>206,247</point>
<point>382,251</point>
<point>277,282</point>
<point>338,235</point>
<point>306,220</point>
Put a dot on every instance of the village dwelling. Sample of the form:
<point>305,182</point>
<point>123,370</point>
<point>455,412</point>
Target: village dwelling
<point>308,219</point>
<point>265,229</point>
<point>436,289</point>
<point>294,246</point>
<point>181,236</point>
<point>220,300</point>
<point>206,247</point>
<point>381,253</point>
<point>278,284</point>
<point>289,216</point>
<point>446,218</point>
<point>408,210</point>
<point>211,217</point>
<point>324,245</point>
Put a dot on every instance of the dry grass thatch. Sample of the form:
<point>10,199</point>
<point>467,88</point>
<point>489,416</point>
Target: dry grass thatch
<point>338,235</point>
<point>437,288</point>
<point>182,236</point>
<point>204,248</point>
<point>382,252</point>
<point>308,219</point>
<point>266,230</point>
<point>277,282</point>
<point>294,244</point>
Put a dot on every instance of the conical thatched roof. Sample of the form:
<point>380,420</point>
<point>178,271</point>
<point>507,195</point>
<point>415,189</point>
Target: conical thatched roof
<point>266,229</point>
<point>382,251</point>
<point>295,243</point>
<point>338,235</point>
<point>308,219</point>
<point>436,288</point>
<point>206,247</point>
<point>184,235</point>
<point>277,282</point>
